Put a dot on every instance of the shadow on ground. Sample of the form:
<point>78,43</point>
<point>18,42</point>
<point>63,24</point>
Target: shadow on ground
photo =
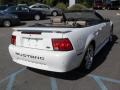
<point>79,73</point>
<point>20,24</point>
<point>47,18</point>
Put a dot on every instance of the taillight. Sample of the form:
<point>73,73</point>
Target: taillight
<point>62,44</point>
<point>13,40</point>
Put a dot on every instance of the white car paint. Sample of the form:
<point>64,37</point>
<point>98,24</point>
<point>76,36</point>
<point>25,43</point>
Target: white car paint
<point>36,50</point>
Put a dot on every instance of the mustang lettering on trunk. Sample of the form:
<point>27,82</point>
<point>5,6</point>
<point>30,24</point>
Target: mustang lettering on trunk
<point>29,56</point>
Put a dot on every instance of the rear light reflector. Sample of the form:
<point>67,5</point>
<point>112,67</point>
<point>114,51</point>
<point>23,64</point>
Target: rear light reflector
<point>62,44</point>
<point>13,40</point>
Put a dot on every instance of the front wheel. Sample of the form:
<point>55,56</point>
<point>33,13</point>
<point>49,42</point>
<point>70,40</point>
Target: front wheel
<point>54,13</point>
<point>88,58</point>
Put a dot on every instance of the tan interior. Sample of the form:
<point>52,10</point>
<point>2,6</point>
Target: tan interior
<point>59,21</point>
<point>56,20</point>
<point>83,23</point>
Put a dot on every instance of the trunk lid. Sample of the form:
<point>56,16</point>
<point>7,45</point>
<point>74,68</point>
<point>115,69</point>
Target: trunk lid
<point>38,38</point>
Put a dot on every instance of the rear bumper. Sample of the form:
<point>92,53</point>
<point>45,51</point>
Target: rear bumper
<point>45,60</point>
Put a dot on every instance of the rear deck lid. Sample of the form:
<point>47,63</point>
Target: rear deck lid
<point>38,38</point>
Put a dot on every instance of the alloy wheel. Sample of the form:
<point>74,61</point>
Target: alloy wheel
<point>54,13</point>
<point>7,23</point>
<point>89,56</point>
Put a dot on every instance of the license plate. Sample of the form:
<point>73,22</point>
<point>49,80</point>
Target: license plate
<point>30,42</point>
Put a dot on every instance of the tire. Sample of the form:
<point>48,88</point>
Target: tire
<point>88,58</point>
<point>37,17</point>
<point>111,35</point>
<point>7,23</point>
<point>54,13</point>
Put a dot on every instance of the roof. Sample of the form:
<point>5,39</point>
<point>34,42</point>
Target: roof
<point>80,14</point>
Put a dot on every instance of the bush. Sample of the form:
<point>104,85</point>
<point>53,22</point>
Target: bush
<point>78,7</point>
<point>87,4</point>
<point>49,2</point>
<point>28,2</point>
<point>61,6</point>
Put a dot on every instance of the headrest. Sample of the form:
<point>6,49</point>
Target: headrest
<point>57,19</point>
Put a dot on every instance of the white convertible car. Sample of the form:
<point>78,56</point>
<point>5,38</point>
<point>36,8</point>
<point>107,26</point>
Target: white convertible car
<point>62,45</point>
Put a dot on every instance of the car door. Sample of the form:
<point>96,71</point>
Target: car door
<point>102,30</point>
<point>99,35</point>
<point>23,12</point>
<point>106,30</point>
<point>26,12</point>
<point>18,12</point>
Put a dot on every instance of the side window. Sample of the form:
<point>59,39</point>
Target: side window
<point>18,9</point>
<point>11,9</point>
<point>35,7</point>
<point>40,6</point>
<point>24,9</point>
<point>45,7</point>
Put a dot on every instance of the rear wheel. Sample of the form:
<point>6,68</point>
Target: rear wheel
<point>6,23</point>
<point>37,17</point>
<point>111,35</point>
<point>54,13</point>
<point>88,58</point>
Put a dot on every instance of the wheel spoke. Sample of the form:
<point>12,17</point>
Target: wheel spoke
<point>89,57</point>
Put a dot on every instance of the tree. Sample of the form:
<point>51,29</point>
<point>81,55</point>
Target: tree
<point>2,1</point>
<point>50,2</point>
<point>29,2</point>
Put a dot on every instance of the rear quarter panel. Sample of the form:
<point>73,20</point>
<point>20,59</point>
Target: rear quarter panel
<point>81,37</point>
